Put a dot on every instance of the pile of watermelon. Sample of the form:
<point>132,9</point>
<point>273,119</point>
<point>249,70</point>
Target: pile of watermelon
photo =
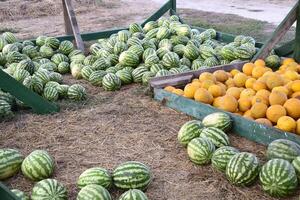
<point>160,48</point>
<point>94,183</point>
<point>207,142</point>
<point>39,66</point>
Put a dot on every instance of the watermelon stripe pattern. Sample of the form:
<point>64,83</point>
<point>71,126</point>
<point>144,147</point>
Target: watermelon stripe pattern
<point>49,189</point>
<point>278,178</point>
<point>200,151</point>
<point>97,176</point>
<point>132,175</point>
<point>111,82</point>
<point>296,165</point>
<point>242,169</point>
<point>76,92</point>
<point>93,191</point>
<point>189,131</point>
<point>217,136</point>
<point>222,156</point>
<point>10,162</point>
<point>133,194</point>
<point>218,120</point>
<point>38,165</point>
<point>284,149</point>
<point>21,195</point>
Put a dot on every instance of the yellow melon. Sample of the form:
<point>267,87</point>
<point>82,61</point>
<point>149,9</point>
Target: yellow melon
<point>234,91</point>
<point>244,104</point>
<point>229,83</point>
<point>287,61</point>
<point>258,72</point>
<point>258,110</point>
<point>275,112</point>
<point>259,99</point>
<point>247,93</point>
<point>217,102</point>
<point>234,72</point>
<point>189,91</point>
<point>207,83</point>
<point>259,85</point>
<point>263,93</point>
<point>223,86</point>
<point>249,83</point>
<point>240,79</point>
<point>228,103</point>
<point>281,89</point>
<point>260,63</point>
<point>248,115</point>
<point>264,121</point>
<point>247,68</point>
<point>273,81</point>
<point>298,127</point>
<point>291,75</point>
<point>197,84</point>
<point>286,123</point>
<point>178,92</point>
<point>195,80</point>
<point>169,88</point>
<point>296,86</point>
<point>207,76</point>
<point>296,95</point>
<point>292,107</point>
<point>202,95</point>
<point>277,98</point>
<point>215,90</point>
<point>221,75</point>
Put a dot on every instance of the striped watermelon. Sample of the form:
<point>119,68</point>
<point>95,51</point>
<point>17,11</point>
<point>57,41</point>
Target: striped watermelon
<point>63,67</point>
<point>183,30</point>
<point>96,77</point>
<point>217,136</point>
<point>189,131</point>
<point>273,61</point>
<point>197,64</point>
<point>21,195</point>
<point>120,47</point>
<point>185,61</point>
<point>179,49</point>
<point>100,64</point>
<point>66,47</point>
<point>221,157</point>
<point>296,165</point>
<point>52,42</point>
<point>218,120</point>
<point>52,84</point>
<point>10,161</point>
<point>200,150</point>
<point>242,169</point>
<point>40,40</point>
<point>284,149</point>
<point>175,70</point>
<point>76,70</point>
<point>93,192</point>
<point>49,189</point>
<point>51,94</point>
<point>125,76</point>
<point>134,41</point>
<point>76,92</point>
<point>163,72</point>
<point>56,77</point>
<point>161,52</point>
<point>21,74</point>
<point>150,25</point>
<point>166,44</point>
<point>191,52</point>
<point>63,91</point>
<point>111,70</point>
<point>89,60</point>
<point>2,43</point>
<point>49,66</point>
<point>170,60</point>
<point>129,59</point>
<point>46,51</point>
<point>137,50</point>
<point>151,60</point>
<point>132,175</point>
<point>123,36</point>
<point>278,178</point>
<point>43,75</point>
<point>96,175</point>
<point>58,58</point>
<point>38,165</point>
<point>211,62</point>
<point>152,33</point>
<point>86,71</point>
<point>9,37</point>
<point>148,52</point>
<point>134,28</point>
<point>163,33</point>
<point>111,82</point>
<point>138,73</point>
<point>177,39</point>
<point>156,67</point>
<point>27,65</point>
<point>14,57</point>
<point>147,77</point>
<point>30,51</point>
<point>7,97</point>
<point>8,48</point>
<point>133,194</point>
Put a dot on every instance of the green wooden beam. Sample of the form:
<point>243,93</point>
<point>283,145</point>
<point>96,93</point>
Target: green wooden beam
<point>173,8</point>
<point>6,194</point>
<point>285,49</point>
<point>30,98</point>
<point>297,40</point>
<point>159,13</point>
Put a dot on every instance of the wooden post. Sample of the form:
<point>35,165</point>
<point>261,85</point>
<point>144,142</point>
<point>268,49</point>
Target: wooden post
<point>281,30</point>
<point>71,25</point>
<point>173,7</point>
<point>297,40</point>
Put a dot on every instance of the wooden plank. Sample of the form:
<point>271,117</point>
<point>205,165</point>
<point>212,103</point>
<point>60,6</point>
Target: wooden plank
<point>68,26</point>
<point>160,82</point>
<point>73,23</point>
<point>173,7</point>
<point>280,31</point>
<point>297,40</point>
<point>285,49</point>
<point>159,13</point>
<point>30,98</point>
<point>241,126</point>
<point>6,194</point>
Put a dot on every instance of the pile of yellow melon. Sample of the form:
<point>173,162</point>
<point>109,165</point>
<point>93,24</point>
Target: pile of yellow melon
<point>256,92</point>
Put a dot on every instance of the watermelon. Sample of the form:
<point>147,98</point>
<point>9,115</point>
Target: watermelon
<point>217,136</point>
<point>273,61</point>
<point>163,72</point>
<point>125,76</point>
<point>43,75</point>
<point>96,175</point>
<point>147,77</point>
<point>58,58</point>
<point>138,50</point>
<point>211,62</point>
<point>284,149</point>
<point>51,84</point>
<point>7,97</point>
<point>242,169</point>
<point>177,39</point>
<point>150,25</point>
<point>151,60</point>
<point>138,73</point>
<point>100,64</point>
<point>134,41</point>
<point>152,33</point>
<point>185,61</point>
<point>200,150</point>
<point>40,40</point>
<point>123,36</point>
<point>148,52</point>
<point>175,70</point>
<point>9,37</point>
<point>2,43</point>
<point>76,92</point>
<point>30,51</point>
<point>170,60</point>
<point>49,189</point>
<point>14,57</point>
<point>183,30</point>
<point>95,192</point>
<point>218,120</point>
<point>63,91</point>
<point>179,49</point>
<point>49,66</point>
<point>96,77</point>
<point>51,94</point>
<point>163,33</point>
<point>21,195</point>
<point>221,157</point>
<point>86,71</point>
<point>21,74</point>
<point>296,165</point>
<point>46,51</point>
<point>189,131</point>
<point>134,28</point>
<point>278,178</point>
<point>76,70</point>
<point>197,64</point>
<point>89,60</point>
<point>66,47</point>
<point>129,59</point>
<point>111,82</point>
<point>52,42</point>
<point>133,194</point>
<point>166,44</point>
<point>111,70</point>
<point>191,52</point>
<point>132,175</point>
<point>10,161</point>
<point>161,52</point>
<point>38,165</point>
<point>63,67</point>
<point>156,67</point>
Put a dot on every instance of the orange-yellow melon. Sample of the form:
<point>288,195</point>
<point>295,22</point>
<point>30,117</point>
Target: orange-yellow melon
<point>275,112</point>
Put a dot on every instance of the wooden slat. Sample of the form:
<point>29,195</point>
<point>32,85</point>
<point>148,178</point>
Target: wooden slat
<point>173,8</point>
<point>6,194</point>
<point>241,126</point>
<point>159,13</point>
<point>281,30</point>
<point>285,49</point>
<point>30,98</point>
<point>71,23</point>
<point>297,40</point>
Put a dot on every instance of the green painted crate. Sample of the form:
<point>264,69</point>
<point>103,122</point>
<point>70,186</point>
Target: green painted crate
<point>6,194</point>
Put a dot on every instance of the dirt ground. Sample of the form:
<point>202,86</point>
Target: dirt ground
<point>112,127</point>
